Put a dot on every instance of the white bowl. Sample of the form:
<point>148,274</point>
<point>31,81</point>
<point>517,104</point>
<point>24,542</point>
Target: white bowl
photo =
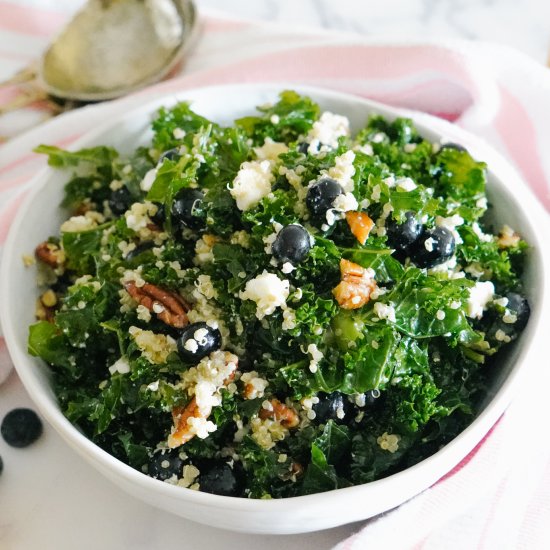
<point>40,217</point>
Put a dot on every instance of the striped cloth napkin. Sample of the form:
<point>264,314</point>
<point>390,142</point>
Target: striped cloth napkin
<point>499,496</point>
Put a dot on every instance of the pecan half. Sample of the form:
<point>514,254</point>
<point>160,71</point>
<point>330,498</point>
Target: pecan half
<point>286,416</point>
<point>50,254</point>
<point>168,306</point>
<point>355,287</point>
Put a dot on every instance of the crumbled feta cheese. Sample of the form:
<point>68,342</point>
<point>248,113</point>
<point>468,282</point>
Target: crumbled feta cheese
<point>440,315</point>
<point>451,223</point>
<point>480,295</point>
<point>327,130</point>
<point>137,217</point>
<point>482,236</point>
<point>148,180</point>
<point>429,244</point>
<point>366,149</point>
<point>343,170</point>
<point>252,183</point>
<point>482,203</point>
<point>287,267</point>
<point>178,133</point>
<point>405,184</point>
<point>268,291</point>
<point>270,150</point>
<point>191,345</point>
<point>409,147</point>
<point>376,190</point>
<point>384,311</point>
<point>275,119</point>
<point>122,366</point>
<point>345,202</point>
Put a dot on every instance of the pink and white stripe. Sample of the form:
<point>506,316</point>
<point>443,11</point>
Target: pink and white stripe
<point>493,499</point>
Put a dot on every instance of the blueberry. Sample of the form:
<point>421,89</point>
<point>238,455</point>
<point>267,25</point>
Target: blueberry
<point>219,478</point>
<point>331,406</point>
<point>303,147</point>
<point>186,209</point>
<point>197,341</point>
<point>321,195</point>
<point>139,249</point>
<point>292,244</point>
<point>402,236</point>
<point>120,201</point>
<point>21,427</point>
<point>165,464</point>
<point>159,216</point>
<point>519,305</point>
<point>171,154</point>
<point>451,145</point>
<point>434,247</point>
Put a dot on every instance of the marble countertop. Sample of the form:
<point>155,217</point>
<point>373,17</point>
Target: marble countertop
<point>522,25</point>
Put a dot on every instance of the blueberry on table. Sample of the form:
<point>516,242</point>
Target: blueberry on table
<point>165,464</point>
<point>321,195</point>
<point>434,247</point>
<point>218,478</point>
<point>197,341</point>
<point>186,207</point>
<point>292,244</point>
<point>21,427</point>
<point>331,406</point>
<point>452,145</point>
<point>121,199</point>
<point>401,236</point>
<point>518,305</point>
<point>171,154</point>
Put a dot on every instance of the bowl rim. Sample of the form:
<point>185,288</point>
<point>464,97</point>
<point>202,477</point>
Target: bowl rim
<point>440,463</point>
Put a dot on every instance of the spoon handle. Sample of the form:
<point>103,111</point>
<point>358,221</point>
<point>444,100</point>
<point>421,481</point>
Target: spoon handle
<point>27,97</point>
<point>20,77</point>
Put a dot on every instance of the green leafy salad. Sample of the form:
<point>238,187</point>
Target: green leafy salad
<point>278,307</point>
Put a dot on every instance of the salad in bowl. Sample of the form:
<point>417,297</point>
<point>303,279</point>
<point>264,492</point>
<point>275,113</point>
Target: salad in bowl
<point>277,307</point>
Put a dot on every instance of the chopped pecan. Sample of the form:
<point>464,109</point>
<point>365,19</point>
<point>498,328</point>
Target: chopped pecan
<point>507,237</point>
<point>50,254</point>
<point>360,225</point>
<point>168,306</point>
<point>182,432</point>
<point>355,287</point>
<point>180,415</point>
<point>285,415</point>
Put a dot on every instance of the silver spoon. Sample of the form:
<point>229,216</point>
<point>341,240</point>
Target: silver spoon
<point>111,48</point>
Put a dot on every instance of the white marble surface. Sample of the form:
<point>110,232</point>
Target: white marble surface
<point>523,24</point>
